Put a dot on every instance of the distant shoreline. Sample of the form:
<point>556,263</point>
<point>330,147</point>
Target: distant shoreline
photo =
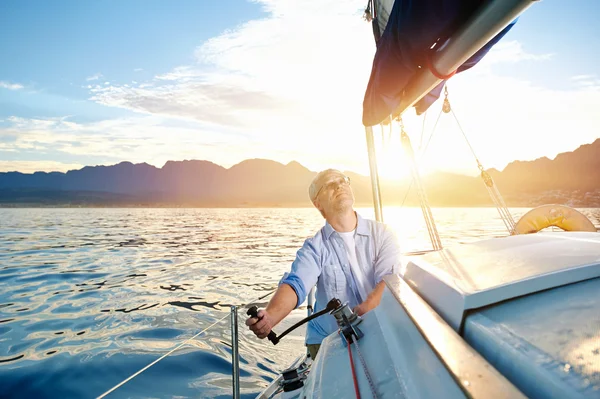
<point>278,206</point>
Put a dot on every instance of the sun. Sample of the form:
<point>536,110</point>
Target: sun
<point>392,162</point>
<point>435,148</point>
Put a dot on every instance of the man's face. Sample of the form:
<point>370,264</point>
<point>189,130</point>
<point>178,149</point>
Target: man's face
<point>334,193</point>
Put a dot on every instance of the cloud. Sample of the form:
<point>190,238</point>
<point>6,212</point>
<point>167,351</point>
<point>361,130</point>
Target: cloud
<point>150,139</point>
<point>201,101</point>
<point>37,166</point>
<point>512,51</point>
<point>583,77</point>
<point>591,82</point>
<point>95,76</point>
<point>290,86</point>
<point>267,77</point>
<point>10,86</point>
<point>297,89</point>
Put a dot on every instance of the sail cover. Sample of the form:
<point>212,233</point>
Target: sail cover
<point>405,31</point>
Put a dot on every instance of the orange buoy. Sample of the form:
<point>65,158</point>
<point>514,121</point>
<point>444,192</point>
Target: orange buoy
<point>561,216</point>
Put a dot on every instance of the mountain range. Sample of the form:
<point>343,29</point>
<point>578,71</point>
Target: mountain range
<point>571,178</point>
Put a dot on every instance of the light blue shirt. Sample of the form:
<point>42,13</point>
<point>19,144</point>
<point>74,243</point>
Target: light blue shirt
<point>323,261</point>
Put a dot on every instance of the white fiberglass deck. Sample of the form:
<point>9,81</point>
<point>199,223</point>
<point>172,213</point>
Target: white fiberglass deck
<point>474,275</point>
<point>547,343</point>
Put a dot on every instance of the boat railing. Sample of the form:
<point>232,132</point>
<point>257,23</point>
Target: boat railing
<point>235,369</point>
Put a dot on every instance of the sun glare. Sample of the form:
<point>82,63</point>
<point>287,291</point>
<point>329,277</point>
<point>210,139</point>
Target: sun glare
<point>391,160</point>
<point>394,164</point>
<point>437,144</point>
<point>407,223</point>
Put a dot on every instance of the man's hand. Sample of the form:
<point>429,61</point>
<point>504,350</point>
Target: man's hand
<point>362,308</point>
<point>279,306</point>
<point>372,300</point>
<point>262,325</point>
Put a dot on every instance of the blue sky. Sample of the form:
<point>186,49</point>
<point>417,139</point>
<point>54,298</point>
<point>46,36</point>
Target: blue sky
<point>88,83</point>
<point>56,47</point>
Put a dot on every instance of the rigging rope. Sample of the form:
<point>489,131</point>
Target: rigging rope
<point>425,208</point>
<point>423,152</point>
<point>432,133</point>
<point>422,131</point>
<point>175,349</point>
<point>354,379</point>
<point>493,192</point>
<point>490,186</point>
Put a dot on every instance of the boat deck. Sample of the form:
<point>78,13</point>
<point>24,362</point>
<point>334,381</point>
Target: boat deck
<point>547,344</point>
<point>472,276</point>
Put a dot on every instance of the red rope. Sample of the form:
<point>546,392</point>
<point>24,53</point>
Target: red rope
<point>353,373</point>
<point>434,71</point>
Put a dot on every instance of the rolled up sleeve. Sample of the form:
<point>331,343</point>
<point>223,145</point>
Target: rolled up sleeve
<point>388,260</point>
<point>305,271</point>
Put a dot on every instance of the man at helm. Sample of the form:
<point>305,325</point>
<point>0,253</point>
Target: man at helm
<point>346,259</point>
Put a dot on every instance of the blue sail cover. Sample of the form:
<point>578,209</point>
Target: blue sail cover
<point>405,31</point>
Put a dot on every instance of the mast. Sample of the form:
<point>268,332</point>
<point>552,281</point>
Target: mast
<point>377,203</point>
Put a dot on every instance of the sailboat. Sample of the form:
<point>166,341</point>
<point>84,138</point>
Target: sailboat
<point>510,317</point>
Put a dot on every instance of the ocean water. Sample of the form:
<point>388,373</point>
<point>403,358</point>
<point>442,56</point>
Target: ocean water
<point>89,297</point>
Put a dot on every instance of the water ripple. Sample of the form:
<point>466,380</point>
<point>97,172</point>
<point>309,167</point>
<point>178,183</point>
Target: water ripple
<point>94,295</point>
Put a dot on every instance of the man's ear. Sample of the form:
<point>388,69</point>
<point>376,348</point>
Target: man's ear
<point>317,204</point>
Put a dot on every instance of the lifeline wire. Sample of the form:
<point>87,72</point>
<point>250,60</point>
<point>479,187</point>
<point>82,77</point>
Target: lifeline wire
<point>173,350</point>
<point>159,359</point>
